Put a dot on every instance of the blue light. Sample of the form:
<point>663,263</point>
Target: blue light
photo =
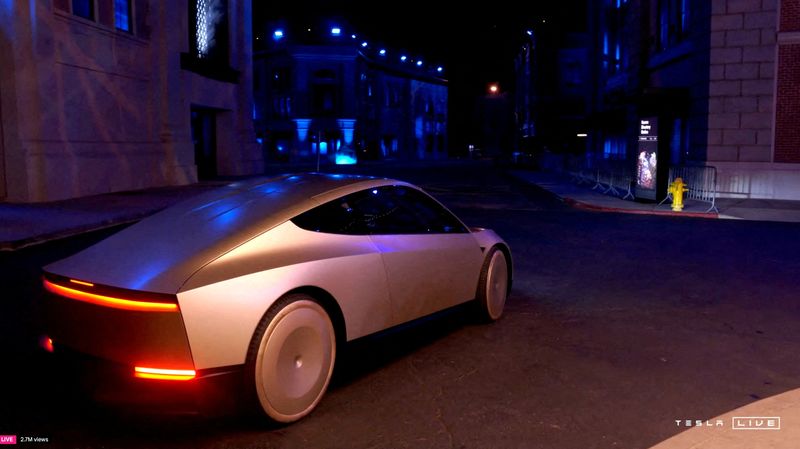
<point>419,63</point>
<point>530,33</point>
<point>364,44</point>
<point>277,35</point>
<point>403,58</point>
<point>336,31</point>
<point>345,159</point>
<point>440,69</point>
<point>374,191</point>
<point>382,52</point>
<point>353,36</point>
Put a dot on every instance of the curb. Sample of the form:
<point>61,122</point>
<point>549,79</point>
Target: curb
<point>587,206</point>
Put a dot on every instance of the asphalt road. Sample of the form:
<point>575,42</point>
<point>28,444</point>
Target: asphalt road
<point>617,325</point>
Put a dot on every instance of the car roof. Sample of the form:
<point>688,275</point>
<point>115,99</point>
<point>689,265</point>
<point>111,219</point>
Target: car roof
<point>161,252</point>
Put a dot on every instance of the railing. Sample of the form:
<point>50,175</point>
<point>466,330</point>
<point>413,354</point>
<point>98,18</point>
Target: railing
<point>701,182</point>
<point>609,177</point>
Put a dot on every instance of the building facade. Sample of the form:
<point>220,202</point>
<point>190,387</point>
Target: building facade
<point>719,80</point>
<point>552,94</point>
<point>99,96</point>
<point>337,99</point>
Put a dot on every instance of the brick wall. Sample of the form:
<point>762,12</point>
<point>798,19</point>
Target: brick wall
<point>742,80</point>
<point>790,15</point>
<point>787,110</point>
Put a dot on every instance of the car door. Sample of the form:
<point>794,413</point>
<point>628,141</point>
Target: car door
<point>432,260</point>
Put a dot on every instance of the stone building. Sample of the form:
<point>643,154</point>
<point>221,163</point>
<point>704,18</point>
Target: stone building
<point>330,97</point>
<point>109,95</point>
<point>721,79</point>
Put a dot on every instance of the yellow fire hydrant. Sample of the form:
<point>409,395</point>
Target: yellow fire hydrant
<point>676,189</point>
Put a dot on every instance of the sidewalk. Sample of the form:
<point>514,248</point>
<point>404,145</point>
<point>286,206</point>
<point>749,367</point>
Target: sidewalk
<point>583,197</point>
<point>23,225</point>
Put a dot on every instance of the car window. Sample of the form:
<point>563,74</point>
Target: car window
<point>334,217</point>
<point>381,210</point>
<point>403,210</point>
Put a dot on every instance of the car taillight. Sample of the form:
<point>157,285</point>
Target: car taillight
<point>109,296</point>
<point>163,373</point>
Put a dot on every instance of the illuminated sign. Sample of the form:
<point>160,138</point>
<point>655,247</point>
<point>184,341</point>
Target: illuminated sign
<point>647,159</point>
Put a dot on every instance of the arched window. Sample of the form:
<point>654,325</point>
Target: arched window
<point>325,93</point>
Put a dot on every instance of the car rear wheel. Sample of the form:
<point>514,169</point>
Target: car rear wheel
<point>291,358</point>
<point>493,285</point>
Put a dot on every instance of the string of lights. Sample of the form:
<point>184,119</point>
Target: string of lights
<point>336,34</point>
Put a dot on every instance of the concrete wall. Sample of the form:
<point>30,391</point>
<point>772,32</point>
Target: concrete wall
<point>90,109</point>
<point>742,81</point>
<point>754,103</point>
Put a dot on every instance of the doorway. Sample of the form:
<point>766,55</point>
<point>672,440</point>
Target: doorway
<point>204,137</point>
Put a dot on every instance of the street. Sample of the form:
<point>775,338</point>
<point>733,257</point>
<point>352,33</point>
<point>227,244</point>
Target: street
<point>617,326</point>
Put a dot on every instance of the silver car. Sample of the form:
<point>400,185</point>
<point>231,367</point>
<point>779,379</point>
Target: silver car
<point>267,279</point>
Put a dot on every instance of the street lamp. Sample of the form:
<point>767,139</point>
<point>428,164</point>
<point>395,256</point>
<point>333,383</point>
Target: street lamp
<point>494,88</point>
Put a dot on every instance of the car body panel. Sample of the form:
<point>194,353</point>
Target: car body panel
<point>160,253</point>
<point>429,272</point>
<point>222,312</point>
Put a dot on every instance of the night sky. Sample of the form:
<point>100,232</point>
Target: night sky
<point>475,45</point>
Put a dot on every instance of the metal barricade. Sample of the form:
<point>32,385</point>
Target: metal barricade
<point>701,181</point>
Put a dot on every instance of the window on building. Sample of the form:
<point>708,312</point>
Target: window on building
<point>679,143</point>
<point>209,29</point>
<point>281,79</point>
<point>614,59</point>
<point>673,22</point>
<point>614,147</point>
<point>281,107</point>
<point>325,93</point>
<point>122,15</point>
<point>83,8</point>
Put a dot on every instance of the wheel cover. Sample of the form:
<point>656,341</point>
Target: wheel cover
<point>496,285</point>
<point>295,361</point>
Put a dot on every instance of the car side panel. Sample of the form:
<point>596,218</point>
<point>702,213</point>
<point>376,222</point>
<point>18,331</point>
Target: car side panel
<point>430,272</point>
<point>224,302</point>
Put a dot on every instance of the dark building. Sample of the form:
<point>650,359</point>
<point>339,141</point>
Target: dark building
<point>553,89</point>
<point>324,93</point>
<point>716,80</point>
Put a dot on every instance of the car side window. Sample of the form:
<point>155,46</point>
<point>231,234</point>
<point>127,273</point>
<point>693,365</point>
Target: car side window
<point>429,214</point>
<point>403,210</point>
<point>334,217</point>
<point>381,210</point>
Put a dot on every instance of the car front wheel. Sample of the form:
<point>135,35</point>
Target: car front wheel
<point>291,358</point>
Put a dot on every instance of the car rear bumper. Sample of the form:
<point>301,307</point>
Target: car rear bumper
<point>82,317</point>
<point>211,392</point>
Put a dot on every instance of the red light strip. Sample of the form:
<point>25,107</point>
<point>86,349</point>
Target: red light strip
<point>109,301</point>
<point>163,374</point>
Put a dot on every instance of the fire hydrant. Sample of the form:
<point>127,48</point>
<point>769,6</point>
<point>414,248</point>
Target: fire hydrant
<point>676,189</point>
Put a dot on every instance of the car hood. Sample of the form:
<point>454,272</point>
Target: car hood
<point>161,252</point>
